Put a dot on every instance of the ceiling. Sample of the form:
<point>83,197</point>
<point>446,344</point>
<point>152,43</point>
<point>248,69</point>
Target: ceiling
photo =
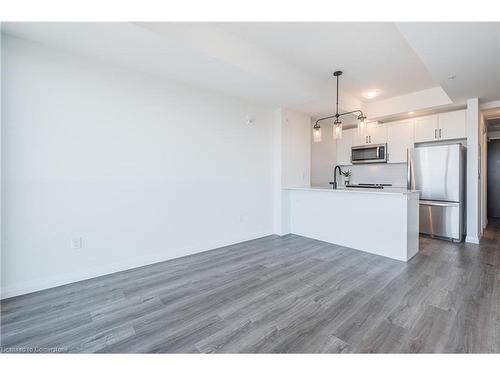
<point>291,64</point>
<point>467,52</point>
<point>372,55</point>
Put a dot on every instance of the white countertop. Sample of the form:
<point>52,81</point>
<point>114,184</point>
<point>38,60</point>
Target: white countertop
<point>342,189</point>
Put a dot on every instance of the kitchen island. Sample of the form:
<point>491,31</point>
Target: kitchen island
<point>379,221</point>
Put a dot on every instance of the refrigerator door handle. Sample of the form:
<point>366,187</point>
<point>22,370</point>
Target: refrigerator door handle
<point>439,204</point>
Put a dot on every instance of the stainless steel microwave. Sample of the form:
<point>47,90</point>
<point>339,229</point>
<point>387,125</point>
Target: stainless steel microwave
<point>369,154</point>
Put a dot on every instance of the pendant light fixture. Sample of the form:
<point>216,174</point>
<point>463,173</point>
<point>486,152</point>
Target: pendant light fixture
<point>317,133</point>
<point>337,124</point>
<point>337,129</point>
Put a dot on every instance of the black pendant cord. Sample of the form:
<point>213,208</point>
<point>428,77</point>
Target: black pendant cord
<point>337,114</point>
<point>337,103</point>
<point>337,106</point>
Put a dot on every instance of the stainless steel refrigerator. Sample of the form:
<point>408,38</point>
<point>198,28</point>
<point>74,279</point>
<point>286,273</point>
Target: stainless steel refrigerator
<point>438,172</point>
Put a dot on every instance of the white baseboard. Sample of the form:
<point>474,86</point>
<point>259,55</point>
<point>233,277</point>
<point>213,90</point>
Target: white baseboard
<point>51,282</point>
<point>59,280</point>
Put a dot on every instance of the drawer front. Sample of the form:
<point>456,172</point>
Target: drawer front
<point>440,219</point>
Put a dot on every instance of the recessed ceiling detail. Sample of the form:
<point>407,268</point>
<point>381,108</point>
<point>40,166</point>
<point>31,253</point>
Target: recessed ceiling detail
<point>371,54</point>
<point>289,64</point>
<point>464,57</point>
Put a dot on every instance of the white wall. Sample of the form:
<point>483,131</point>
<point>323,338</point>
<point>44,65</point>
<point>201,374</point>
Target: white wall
<point>1,162</point>
<point>323,157</point>
<point>483,136</point>
<point>473,181</point>
<point>296,149</point>
<point>291,160</point>
<point>142,169</point>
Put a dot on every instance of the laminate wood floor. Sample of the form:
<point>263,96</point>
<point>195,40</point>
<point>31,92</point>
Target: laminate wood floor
<point>274,295</point>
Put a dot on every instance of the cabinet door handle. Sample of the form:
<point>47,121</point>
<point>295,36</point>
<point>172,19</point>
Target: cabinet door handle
<point>366,139</point>
<point>439,133</point>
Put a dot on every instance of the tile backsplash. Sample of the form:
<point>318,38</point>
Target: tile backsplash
<point>395,174</point>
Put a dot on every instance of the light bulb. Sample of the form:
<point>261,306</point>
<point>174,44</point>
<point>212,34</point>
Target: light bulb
<point>370,94</point>
<point>361,125</point>
<point>316,134</point>
<point>337,129</point>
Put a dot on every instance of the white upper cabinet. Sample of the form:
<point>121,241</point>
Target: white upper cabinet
<point>399,139</point>
<point>357,139</point>
<point>452,125</point>
<point>344,146</point>
<point>444,126</point>
<point>402,135</point>
<point>375,133</point>
<point>426,129</point>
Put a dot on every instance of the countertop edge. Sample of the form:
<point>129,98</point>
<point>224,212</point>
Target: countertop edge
<point>356,191</point>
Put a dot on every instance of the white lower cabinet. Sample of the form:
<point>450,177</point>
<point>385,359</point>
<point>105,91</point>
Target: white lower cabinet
<point>400,137</point>
<point>344,147</point>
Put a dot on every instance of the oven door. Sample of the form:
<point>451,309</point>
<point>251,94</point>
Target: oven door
<point>369,154</point>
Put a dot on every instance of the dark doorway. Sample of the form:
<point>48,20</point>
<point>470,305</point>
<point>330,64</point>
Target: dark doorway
<point>494,179</point>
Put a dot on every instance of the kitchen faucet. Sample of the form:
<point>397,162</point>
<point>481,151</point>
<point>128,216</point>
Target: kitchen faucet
<point>334,183</point>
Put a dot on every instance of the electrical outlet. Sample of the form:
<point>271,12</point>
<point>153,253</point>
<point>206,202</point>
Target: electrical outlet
<point>76,243</point>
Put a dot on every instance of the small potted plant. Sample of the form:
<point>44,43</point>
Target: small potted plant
<point>347,176</point>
